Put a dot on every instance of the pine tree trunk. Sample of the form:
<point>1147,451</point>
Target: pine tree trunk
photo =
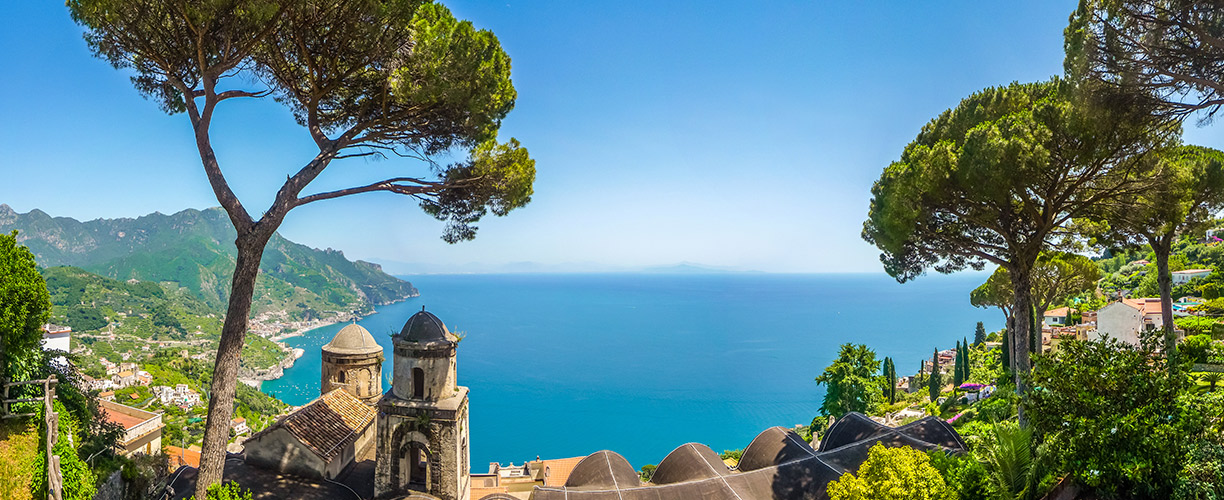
<point>225,371</point>
<point>1164,281</point>
<point>1023,323</point>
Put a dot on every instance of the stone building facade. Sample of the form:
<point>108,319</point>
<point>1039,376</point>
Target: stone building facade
<point>423,420</point>
<point>353,361</point>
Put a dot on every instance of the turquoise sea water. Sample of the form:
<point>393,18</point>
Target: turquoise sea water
<point>566,365</point>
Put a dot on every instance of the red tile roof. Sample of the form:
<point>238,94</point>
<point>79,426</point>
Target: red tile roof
<point>558,471</point>
<point>180,457</point>
<point>326,424</point>
<point>123,419</point>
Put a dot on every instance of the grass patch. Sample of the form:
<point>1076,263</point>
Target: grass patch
<point>18,450</point>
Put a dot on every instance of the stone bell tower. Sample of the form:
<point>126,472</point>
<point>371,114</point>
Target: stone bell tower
<point>353,361</point>
<point>423,419</point>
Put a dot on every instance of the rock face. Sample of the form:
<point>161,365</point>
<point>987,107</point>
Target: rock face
<point>423,420</point>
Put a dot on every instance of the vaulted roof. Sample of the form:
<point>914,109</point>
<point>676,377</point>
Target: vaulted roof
<point>778,464</point>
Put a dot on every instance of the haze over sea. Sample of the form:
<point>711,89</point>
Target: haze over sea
<point>563,365</point>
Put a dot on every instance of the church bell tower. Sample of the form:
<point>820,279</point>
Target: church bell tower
<point>423,420</point>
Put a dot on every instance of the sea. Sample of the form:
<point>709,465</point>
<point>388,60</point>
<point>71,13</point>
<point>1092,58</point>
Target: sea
<point>564,365</point>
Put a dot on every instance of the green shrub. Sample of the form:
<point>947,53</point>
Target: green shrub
<point>1195,348</point>
<point>1202,478</point>
<point>228,490</point>
<point>1115,418</point>
<point>963,473</point>
<point>80,483</point>
<point>890,473</point>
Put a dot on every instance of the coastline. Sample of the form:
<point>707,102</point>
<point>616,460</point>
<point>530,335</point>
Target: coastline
<point>299,329</point>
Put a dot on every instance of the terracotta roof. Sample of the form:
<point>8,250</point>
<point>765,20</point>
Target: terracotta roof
<point>559,470</point>
<point>1060,312</point>
<point>123,419</point>
<point>326,424</point>
<point>1147,305</point>
<point>180,457</point>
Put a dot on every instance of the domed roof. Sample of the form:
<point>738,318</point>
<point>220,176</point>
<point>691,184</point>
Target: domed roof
<point>689,462</point>
<point>425,327</point>
<point>353,339</point>
<point>602,470</point>
<point>774,446</point>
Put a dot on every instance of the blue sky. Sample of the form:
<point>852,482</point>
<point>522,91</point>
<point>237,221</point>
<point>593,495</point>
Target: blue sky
<point>731,134</point>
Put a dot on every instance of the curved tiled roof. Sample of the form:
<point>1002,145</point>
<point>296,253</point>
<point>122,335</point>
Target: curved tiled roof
<point>774,446</point>
<point>603,470</point>
<point>688,462</point>
<point>774,466</point>
<point>353,339</point>
<point>425,327</point>
<point>852,427</point>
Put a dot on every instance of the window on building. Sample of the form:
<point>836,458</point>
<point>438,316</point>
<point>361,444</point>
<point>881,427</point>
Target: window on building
<point>418,383</point>
<point>340,376</point>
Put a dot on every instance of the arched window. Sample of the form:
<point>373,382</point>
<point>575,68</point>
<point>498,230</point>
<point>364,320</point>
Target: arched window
<point>418,383</point>
<point>340,376</point>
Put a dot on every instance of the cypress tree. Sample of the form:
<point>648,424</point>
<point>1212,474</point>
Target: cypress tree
<point>890,383</point>
<point>958,373</point>
<point>966,369</point>
<point>979,335</point>
<point>934,381</point>
<point>893,368</point>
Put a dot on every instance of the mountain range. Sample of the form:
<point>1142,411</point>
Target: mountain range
<point>194,250</point>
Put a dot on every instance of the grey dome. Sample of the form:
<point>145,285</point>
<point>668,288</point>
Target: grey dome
<point>425,327</point>
<point>602,470</point>
<point>689,462</point>
<point>774,446</point>
<point>353,339</point>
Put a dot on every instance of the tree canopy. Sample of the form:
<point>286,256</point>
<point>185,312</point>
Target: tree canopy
<point>24,307</point>
<point>1165,54</point>
<point>997,179</point>
<point>851,382</point>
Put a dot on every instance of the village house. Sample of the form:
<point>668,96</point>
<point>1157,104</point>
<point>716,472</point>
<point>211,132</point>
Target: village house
<point>1184,276</point>
<point>239,426</point>
<point>1125,320</point>
<point>142,430</point>
<point>1058,317</point>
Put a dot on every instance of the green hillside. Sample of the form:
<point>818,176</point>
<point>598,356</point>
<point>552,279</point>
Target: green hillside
<point>192,250</point>
<point>111,318</point>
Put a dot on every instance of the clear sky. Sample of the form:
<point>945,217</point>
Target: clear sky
<point>744,135</point>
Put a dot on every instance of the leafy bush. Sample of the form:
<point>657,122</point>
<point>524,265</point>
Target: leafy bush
<point>890,473</point>
<point>228,490</point>
<point>647,472</point>
<point>1195,348</point>
<point>999,406</point>
<point>80,483</point>
<point>1203,476</point>
<point>964,475</point>
<point>1112,413</point>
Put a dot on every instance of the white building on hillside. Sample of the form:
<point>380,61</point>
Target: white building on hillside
<point>1183,277</point>
<point>1126,319</point>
